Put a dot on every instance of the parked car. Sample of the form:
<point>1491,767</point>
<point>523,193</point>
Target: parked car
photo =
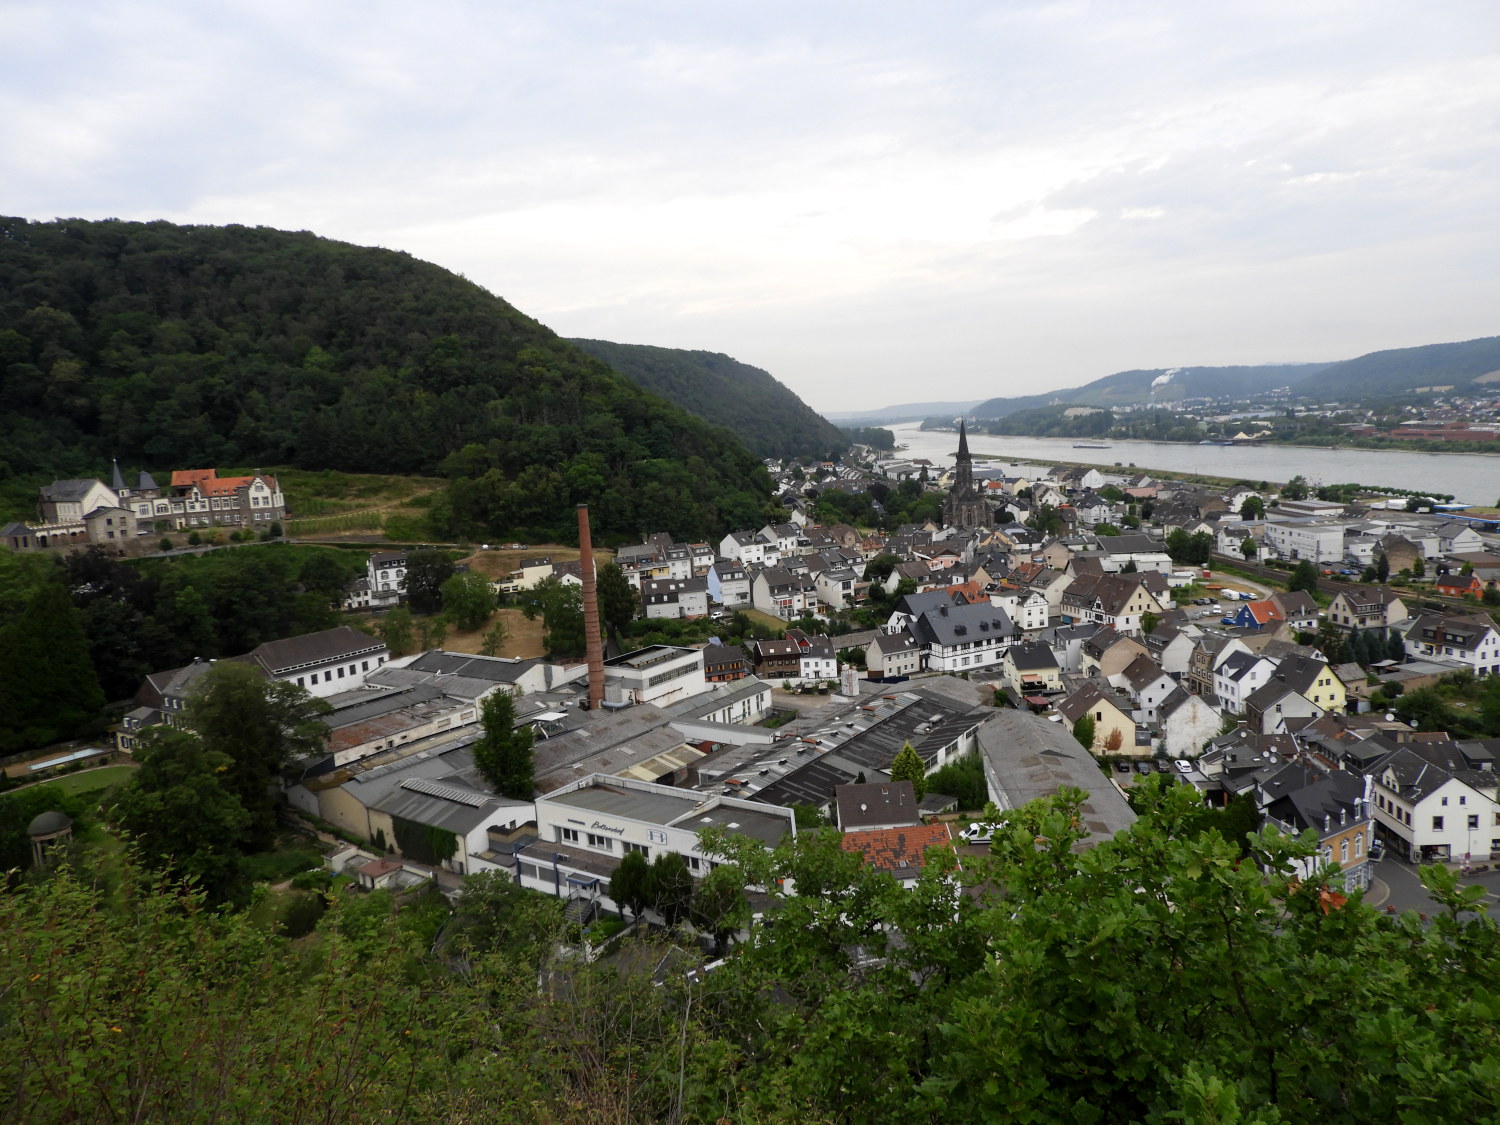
<point>1122,767</point>
<point>1143,767</point>
<point>1183,765</point>
<point>979,833</point>
<point>1163,766</point>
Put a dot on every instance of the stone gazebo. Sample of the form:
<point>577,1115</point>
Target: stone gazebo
<point>49,832</point>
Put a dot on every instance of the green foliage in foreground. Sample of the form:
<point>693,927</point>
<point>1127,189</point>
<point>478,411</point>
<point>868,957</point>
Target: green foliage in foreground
<point>1153,978</point>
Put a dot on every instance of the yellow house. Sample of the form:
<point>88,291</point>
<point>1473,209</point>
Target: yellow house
<point>1114,722</point>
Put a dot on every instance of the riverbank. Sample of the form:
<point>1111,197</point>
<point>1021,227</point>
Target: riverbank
<point>1470,478</point>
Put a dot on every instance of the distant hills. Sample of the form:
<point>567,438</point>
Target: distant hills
<point>766,415</point>
<point>194,346</point>
<point>901,412</point>
<point>1470,365</point>
<point>1131,388</point>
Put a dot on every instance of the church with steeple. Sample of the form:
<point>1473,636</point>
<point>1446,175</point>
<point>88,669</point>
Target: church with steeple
<point>965,507</point>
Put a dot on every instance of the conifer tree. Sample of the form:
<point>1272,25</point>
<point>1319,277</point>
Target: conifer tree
<point>503,753</point>
<point>908,767</point>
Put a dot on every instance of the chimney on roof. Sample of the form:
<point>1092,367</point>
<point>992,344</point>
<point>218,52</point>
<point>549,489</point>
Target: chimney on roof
<point>595,644</point>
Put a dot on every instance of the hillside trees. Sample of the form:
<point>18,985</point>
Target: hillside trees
<point>259,726</point>
<point>174,346</point>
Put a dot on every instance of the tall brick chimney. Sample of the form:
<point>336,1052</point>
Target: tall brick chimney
<point>595,649</point>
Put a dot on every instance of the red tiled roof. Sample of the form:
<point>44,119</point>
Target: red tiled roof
<point>210,483</point>
<point>899,851</point>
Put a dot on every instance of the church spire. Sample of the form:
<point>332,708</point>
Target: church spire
<point>963,442</point>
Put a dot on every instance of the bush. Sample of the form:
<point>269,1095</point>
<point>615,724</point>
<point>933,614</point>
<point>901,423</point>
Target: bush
<point>313,879</point>
<point>301,913</point>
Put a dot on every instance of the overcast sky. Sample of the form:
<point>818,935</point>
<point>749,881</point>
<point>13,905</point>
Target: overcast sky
<point>877,203</point>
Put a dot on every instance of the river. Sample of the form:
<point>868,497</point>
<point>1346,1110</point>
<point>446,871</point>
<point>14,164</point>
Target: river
<point>1472,478</point>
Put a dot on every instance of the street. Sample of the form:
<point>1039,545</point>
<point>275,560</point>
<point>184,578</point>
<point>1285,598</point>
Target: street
<point>1395,883</point>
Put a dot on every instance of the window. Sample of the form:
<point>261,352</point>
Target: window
<point>568,835</point>
<point>1437,824</point>
<point>1445,802</point>
<point>1463,800</point>
<point>1473,822</point>
<point>694,863</point>
<point>1359,844</point>
<point>1344,851</point>
<point>627,847</point>
<point>604,843</point>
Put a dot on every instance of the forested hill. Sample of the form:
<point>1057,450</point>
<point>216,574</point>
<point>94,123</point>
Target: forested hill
<point>171,346</point>
<point>1399,371</point>
<point>767,416</point>
<point>1160,384</point>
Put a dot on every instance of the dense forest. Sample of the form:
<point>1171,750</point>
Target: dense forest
<point>170,346</point>
<point>1157,977</point>
<point>88,627</point>
<point>767,416</point>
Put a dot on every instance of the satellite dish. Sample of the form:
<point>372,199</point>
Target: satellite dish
<point>1390,717</point>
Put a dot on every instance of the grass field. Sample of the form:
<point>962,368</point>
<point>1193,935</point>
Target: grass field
<point>90,780</point>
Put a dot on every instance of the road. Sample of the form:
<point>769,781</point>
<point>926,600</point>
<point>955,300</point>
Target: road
<point>1396,883</point>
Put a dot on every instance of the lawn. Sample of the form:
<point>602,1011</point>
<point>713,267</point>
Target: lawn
<point>90,780</point>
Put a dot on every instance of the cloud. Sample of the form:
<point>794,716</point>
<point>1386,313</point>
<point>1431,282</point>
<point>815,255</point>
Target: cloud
<point>983,198</point>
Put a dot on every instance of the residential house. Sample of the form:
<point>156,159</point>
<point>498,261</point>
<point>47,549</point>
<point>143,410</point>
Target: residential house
<point>1117,600</point>
<point>1298,610</point>
<point>892,655</point>
<point>875,806</point>
<point>963,638</point>
<point>1145,682</point>
<point>683,598</point>
<point>1272,706</point>
<point>1337,809</point>
<point>1237,675</point>
<point>1185,723</point>
<point>1113,718</point>
<point>1031,669</point>
<point>1470,640</point>
<point>1435,803</point>
<point>1366,607</point>
<point>749,548</point>
<point>729,584</point>
<point>1458,585</point>
<point>1259,615</point>
<point>724,663</point>
<point>780,593</point>
<point>900,852</point>
<point>1171,646</point>
<point>1107,653</point>
<point>1027,608</point>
